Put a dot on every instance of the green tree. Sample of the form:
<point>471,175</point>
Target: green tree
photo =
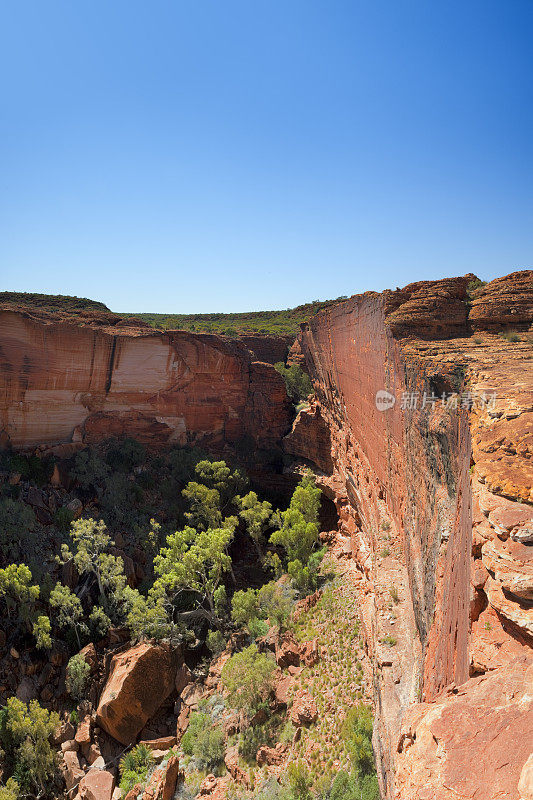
<point>134,767</point>
<point>27,755</point>
<point>204,506</point>
<point>256,515</point>
<point>69,611</point>
<point>298,534</point>
<point>42,631</point>
<point>11,791</point>
<point>298,382</point>
<point>77,677</point>
<point>91,542</point>
<point>248,678</point>
<point>17,590</point>
<point>244,607</point>
<point>275,602</point>
<point>217,475</point>
<point>195,561</point>
<point>90,470</point>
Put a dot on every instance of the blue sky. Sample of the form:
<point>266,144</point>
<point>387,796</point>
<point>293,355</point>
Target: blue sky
<point>217,155</point>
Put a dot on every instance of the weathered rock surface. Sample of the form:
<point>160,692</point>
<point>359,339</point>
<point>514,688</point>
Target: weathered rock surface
<point>72,382</point>
<point>473,743</point>
<point>435,498</point>
<point>140,680</point>
<point>268,348</point>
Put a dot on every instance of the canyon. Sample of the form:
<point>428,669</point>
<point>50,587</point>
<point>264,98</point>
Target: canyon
<point>420,432</point>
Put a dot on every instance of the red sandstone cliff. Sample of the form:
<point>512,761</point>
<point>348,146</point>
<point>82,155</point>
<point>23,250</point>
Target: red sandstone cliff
<point>65,380</point>
<point>445,550</point>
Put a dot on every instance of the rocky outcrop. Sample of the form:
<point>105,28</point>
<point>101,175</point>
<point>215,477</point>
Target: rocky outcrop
<point>424,444</point>
<point>140,679</point>
<point>76,381</point>
<point>270,349</point>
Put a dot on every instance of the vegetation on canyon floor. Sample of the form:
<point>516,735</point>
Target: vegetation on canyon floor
<point>204,559</point>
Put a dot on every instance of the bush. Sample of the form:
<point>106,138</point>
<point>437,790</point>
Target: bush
<point>134,767</point>
<point>11,791</point>
<point>357,733</point>
<point>27,756</point>
<point>216,642</point>
<point>204,741</point>
<point>298,382</point>
<point>299,780</point>
<point>248,678</point>
<point>17,520</point>
<point>77,678</point>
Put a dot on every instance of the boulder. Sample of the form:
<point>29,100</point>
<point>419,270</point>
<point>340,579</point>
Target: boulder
<point>97,784</point>
<point>71,770</point>
<point>271,755</point>
<point>287,651</point>
<point>140,680</point>
<point>309,653</point>
<point>304,710</point>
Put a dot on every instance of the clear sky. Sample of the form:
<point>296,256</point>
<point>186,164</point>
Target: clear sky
<point>231,155</point>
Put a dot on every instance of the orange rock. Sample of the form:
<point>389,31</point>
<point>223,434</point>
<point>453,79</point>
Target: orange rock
<point>304,710</point>
<point>87,379</point>
<point>140,679</point>
<point>97,784</point>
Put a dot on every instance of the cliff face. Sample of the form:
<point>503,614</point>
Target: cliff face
<point>445,551</point>
<point>64,381</point>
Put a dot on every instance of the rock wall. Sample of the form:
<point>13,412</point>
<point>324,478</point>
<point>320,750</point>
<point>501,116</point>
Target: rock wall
<point>436,498</point>
<point>69,381</point>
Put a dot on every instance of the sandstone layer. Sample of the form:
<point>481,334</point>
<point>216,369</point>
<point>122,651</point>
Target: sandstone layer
<point>422,434</point>
<point>65,380</point>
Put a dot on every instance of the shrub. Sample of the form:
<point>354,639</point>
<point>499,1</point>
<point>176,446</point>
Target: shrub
<point>298,382</point>
<point>357,733</point>
<point>17,520</point>
<point>134,767</point>
<point>27,756</point>
<point>11,791</point>
<point>216,642</point>
<point>63,519</point>
<point>204,741</point>
<point>77,678</point>
<point>299,780</point>
<point>248,678</point>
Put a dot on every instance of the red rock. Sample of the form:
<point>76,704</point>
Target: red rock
<point>271,755</point>
<point>183,678</point>
<point>491,715</point>
<point>310,438</point>
<point>304,710</point>
<point>287,650</point>
<point>71,770</point>
<point>83,733</point>
<point>134,793</point>
<point>88,379</point>
<point>503,303</point>
<point>163,743</point>
<point>89,654</point>
<point>309,653</point>
<point>282,689</point>
<point>231,760</point>
<point>268,348</point>
<point>97,784</point>
<point>140,680</point>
